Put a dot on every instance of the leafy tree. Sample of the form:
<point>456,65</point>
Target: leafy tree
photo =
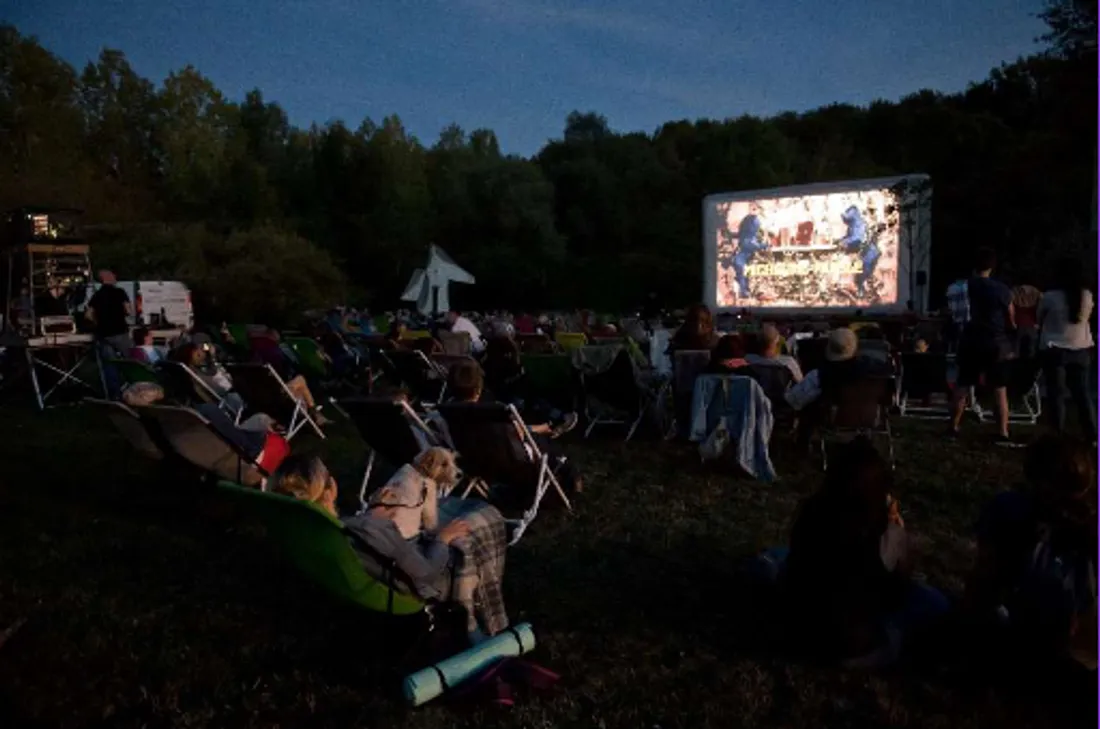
<point>264,218</point>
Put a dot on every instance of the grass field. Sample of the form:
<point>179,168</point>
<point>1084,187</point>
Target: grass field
<point>146,608</point>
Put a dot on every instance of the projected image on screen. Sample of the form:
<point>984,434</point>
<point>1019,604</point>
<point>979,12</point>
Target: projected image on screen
<point>830,250</point>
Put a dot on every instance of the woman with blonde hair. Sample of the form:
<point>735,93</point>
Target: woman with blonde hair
<point>456,555</point>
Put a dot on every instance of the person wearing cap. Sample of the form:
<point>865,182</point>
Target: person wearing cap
<point>842,366</point>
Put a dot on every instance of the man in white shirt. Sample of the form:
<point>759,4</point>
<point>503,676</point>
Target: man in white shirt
<point>459,323</point>
<point>770,343</point>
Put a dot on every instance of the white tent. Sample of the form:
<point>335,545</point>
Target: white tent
<point>428,286</point>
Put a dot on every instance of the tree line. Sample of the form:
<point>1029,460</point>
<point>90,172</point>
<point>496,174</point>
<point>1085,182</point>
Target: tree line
<point>265,218</point>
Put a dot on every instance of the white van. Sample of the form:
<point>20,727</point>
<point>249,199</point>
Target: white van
<point>156,304</point>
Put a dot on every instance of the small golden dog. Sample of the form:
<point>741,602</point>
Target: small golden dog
<point>416,489</point>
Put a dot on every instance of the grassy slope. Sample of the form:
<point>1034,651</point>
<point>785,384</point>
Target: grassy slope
<point>143,610</point>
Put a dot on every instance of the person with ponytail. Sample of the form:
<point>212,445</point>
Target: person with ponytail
<point>1066,343</point>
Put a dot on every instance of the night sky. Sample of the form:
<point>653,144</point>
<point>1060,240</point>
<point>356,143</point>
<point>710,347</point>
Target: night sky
<point>520,66</point>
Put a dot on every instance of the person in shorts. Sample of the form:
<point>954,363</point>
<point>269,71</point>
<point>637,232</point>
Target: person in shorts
<point>985,348</point>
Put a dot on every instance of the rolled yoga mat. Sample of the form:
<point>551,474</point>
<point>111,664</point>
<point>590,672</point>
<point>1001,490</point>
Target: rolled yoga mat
<point>428,683</point>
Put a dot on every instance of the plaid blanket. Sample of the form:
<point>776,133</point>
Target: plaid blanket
<point>476,583</point>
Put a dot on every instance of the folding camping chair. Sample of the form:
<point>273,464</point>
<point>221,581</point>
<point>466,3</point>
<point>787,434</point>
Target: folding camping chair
<point>319,546</point>
<point>875,349</point>
<point>616,385</point>
<point>309,355</point>
<point>187,386</point>
<point>687,365</point>
<point>496,448</point>
<point>430,346</point>
<point>424,378</point>
<point>391,429</point>
<point>568,341</point>
<point>455,343</point>
<point>861,407</point>
<point>130,425</point>
<point>924,376</point>
<point>195,439</point>
<point>446,361</point>
<point>265,392</point>
<point>774,380</point>
<point>1025,404</point>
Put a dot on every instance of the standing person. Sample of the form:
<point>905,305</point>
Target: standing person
<point>985,348</point>
<point>1065,344</point>
<point>107,311</point>
<point>459,323</point>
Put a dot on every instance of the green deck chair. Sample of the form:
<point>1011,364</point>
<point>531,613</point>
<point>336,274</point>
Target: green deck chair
<point>317,545</point>
<point>309,356</point>
<point>132,371</point>
<point>569,341</point>
<point>239,332</point>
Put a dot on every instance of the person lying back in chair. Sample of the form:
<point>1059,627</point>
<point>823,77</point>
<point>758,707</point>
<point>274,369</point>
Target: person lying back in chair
<point>465,383</point>
<point>266,344</point>
<point>460,559</point>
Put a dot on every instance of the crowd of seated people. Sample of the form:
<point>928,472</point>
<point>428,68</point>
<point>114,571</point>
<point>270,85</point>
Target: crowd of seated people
<point>847,580</point>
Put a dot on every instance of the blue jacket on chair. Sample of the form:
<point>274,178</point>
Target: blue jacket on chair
<point>747,413</point>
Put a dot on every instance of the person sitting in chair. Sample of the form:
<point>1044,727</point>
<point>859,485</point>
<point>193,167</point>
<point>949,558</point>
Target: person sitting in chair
<point>465,383</point>
<point>769,352</point>
<point>143,350</point>
<point>728,356</point>
<point>461,560</point>
<point>842,367</point>
<point>267,349</point>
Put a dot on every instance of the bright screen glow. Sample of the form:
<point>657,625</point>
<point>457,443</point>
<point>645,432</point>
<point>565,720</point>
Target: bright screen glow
<point>838,249</point>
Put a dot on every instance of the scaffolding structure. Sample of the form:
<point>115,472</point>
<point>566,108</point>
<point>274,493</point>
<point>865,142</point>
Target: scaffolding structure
<point>43,251</point>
